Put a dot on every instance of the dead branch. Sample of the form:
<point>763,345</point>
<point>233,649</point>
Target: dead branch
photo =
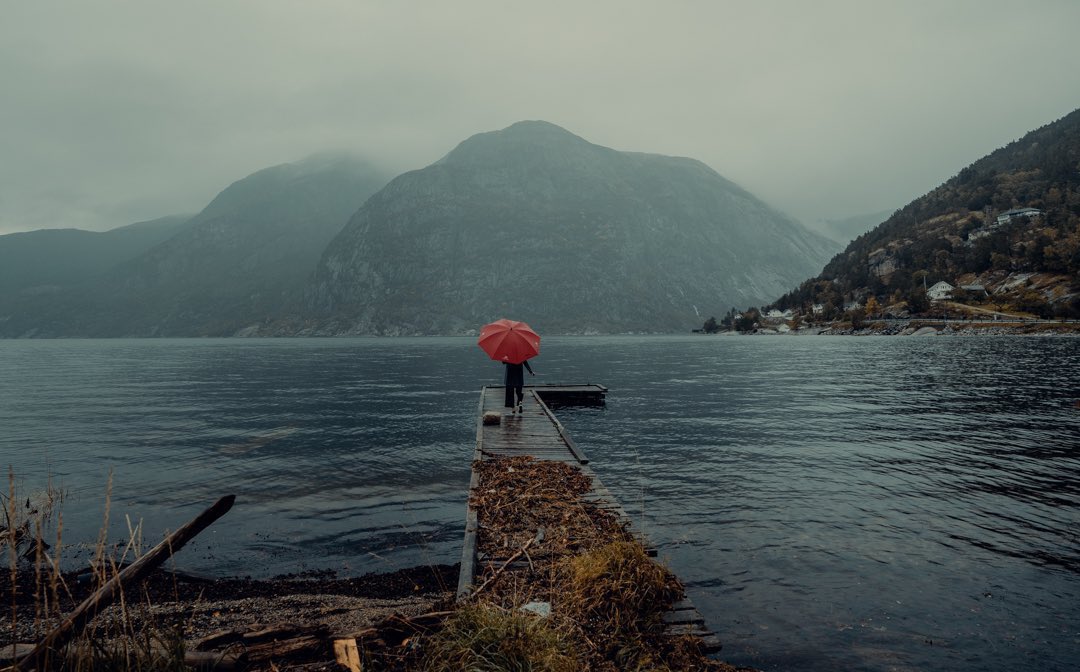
<point>502,569</point>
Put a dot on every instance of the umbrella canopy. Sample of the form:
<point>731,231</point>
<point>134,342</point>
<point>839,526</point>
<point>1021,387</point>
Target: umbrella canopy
<point>509,341</point>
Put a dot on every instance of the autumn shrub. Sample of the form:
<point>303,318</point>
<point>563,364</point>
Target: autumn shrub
<point>618,596</point>
<point>486,638</point>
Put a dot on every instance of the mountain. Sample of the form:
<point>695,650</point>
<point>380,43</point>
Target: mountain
<point>968,231</point>
<point>535,223</point>
<point>847,229</point>
<point>53,257</point>
<point>245,258</point>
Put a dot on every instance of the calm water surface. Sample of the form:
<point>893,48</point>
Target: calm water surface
<point>855,503</point>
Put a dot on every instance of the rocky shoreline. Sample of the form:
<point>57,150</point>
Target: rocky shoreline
<point>930,328</point>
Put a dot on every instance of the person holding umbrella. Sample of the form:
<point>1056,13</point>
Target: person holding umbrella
<point>514,380</point>
<point>511,343</point>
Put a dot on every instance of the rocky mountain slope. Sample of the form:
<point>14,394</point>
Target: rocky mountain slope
<point>968,232</point>
<point>535,223</point>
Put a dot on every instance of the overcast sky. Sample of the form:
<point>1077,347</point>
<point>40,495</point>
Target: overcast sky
<point>116,112</point>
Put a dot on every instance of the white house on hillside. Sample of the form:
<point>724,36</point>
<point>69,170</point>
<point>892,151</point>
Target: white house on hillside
<point>940,290</point>
<point>777,315</point>
<point>1010,215</point>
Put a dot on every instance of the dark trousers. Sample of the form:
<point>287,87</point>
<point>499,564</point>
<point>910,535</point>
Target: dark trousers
<point>514,396</point>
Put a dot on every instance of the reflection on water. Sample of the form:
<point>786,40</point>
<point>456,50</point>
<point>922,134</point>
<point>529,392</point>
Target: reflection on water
<point>832,502</point>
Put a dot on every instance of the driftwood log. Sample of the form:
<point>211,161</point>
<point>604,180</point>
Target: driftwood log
<point>104,596</point>
<point>347,654</point>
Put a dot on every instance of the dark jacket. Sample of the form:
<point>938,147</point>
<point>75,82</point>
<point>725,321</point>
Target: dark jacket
<point>515,374</point>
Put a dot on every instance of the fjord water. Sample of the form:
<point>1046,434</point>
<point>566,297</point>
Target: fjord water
<point>831,502</point>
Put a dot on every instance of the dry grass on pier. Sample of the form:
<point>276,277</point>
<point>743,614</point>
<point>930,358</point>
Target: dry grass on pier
<point>543,544</point>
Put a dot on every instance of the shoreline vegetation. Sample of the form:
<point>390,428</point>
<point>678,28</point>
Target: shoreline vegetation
<point>991,304</point>
<point>755,323</point>
<point>592,599</point>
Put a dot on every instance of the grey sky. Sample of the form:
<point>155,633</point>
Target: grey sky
<point>114,112</point>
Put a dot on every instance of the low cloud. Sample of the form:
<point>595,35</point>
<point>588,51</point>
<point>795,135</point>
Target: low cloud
<point>117,112</point>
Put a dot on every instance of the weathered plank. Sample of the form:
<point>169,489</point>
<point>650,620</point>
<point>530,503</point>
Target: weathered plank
<point>560,429</point>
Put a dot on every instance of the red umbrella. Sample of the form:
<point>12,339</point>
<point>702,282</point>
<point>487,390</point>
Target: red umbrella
<point>509,341</point>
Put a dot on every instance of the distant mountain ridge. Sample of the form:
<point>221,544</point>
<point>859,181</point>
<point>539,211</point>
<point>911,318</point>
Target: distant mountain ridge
<point>248,254</point>
<point>534,221</point>
<point>57,257</point>
<point>244,258</point>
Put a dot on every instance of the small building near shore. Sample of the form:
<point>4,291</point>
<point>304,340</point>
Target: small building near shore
<point>776,315</point>
<point>940,290</point>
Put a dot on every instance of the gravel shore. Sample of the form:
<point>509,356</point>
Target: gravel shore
<point>199,607</point>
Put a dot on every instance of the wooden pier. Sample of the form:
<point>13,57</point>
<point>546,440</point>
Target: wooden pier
<point>538,433</point>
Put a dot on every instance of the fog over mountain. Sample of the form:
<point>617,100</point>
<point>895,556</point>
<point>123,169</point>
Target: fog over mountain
<point>847,229</point>
<point>117,112</point>
<point>245,257</point>
<point>533,221</point>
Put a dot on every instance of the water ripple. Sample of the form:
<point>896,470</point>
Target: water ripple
<point>831,502</point>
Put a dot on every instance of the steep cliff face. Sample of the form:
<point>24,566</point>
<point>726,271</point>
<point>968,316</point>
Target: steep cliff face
<point>535,223</point>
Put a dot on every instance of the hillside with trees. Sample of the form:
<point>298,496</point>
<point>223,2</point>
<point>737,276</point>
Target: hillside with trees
<point>968,233</point>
